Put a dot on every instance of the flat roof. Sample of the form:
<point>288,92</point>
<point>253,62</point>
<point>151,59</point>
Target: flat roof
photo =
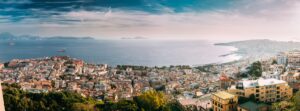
<point>261,82</point>
<point>224,95</point>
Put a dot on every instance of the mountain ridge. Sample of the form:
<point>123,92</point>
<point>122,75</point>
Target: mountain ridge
<point>261,47</point>
<point>9,36</point>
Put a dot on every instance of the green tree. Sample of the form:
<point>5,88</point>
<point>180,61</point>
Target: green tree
<point>283,106</point>
<point>173,106</point>
<point>296,101</point>
<point>151,100</point>
<point>82,107</point>
<point>255,69</point>
<point>274,62</point>
<point>126,105</point>
<point>18,100</point>
<point>289,105</point>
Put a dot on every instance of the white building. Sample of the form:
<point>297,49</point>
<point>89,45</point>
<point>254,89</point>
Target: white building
<point>271,75</point>
<point>281,59</point>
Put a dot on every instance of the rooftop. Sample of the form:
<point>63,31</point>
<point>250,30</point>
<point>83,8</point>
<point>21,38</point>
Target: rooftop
<point>224,95</point>
<point>261,82</point>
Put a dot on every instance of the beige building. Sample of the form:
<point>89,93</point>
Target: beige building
<point>264,90</point>
<point>290,76</point>
<point>2,108</point>
<point>293,58</point>
<point>224,101</point>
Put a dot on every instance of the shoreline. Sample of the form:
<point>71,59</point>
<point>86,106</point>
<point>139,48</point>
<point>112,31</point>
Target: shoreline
<point>193,66</point>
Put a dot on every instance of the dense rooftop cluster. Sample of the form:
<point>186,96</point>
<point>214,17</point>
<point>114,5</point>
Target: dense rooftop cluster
<point>60,73</point>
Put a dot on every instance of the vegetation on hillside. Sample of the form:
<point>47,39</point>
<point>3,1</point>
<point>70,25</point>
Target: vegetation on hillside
<point>289,105</point>
<point>19,100</point>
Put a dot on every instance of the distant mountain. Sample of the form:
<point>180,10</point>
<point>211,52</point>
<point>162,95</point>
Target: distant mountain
<point>9,36</point>
<point>261,47</point>
<point>70,38</point>
<point>135,38</point>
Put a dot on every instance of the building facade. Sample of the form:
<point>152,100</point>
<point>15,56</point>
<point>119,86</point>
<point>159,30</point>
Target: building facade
<point>293,58</point>
<point>290,76</point>
<point>282,59</point>
<point>2,108</point>
<point>264,90</point>
<point>224,101</point>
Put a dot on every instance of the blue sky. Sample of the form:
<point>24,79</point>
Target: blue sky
<point>170,19</point>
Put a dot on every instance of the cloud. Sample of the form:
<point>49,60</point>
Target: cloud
<point>230,19</point>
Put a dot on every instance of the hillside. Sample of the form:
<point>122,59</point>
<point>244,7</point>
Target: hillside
<point>261,47</point>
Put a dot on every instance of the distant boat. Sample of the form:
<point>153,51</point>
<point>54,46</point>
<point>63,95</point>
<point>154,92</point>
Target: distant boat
<point>62,50</point>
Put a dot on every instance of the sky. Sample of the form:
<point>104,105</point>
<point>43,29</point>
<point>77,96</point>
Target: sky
<point>157,19</point>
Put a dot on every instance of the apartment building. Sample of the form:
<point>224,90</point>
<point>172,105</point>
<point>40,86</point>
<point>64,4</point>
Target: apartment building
<point>293,58</point>
<point>264,90</point>
<point>290,76</point>
<point>282,58</point>
<point>224,101</point>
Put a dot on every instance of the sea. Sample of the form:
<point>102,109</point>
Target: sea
<point>122,52</point>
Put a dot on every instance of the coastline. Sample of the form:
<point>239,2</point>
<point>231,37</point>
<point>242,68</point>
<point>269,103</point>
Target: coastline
<point>115,52</point>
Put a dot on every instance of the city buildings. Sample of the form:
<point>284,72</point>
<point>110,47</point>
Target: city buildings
<point>282,58</point>
<point>62,73</point>
<point>293,58</point>
<point>224,101</point>
<point>264,90</point>
<point>187,85</point>
<point>290,76</point>
<point>225,81</point>
<point>2,108</point>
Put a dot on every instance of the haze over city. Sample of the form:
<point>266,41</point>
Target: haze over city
<point>156,19</point>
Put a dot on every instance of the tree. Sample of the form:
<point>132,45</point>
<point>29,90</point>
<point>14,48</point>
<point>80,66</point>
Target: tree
<point>289,105</point>
<point>173,106</point>
<point>274,62</point>
<point>151,100</point>
<point>283,106</point>
<point>82,107</point>
<point>126,105</point>
<point>255,69</point>
<point>18,100</point>
<point>296,101</point>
